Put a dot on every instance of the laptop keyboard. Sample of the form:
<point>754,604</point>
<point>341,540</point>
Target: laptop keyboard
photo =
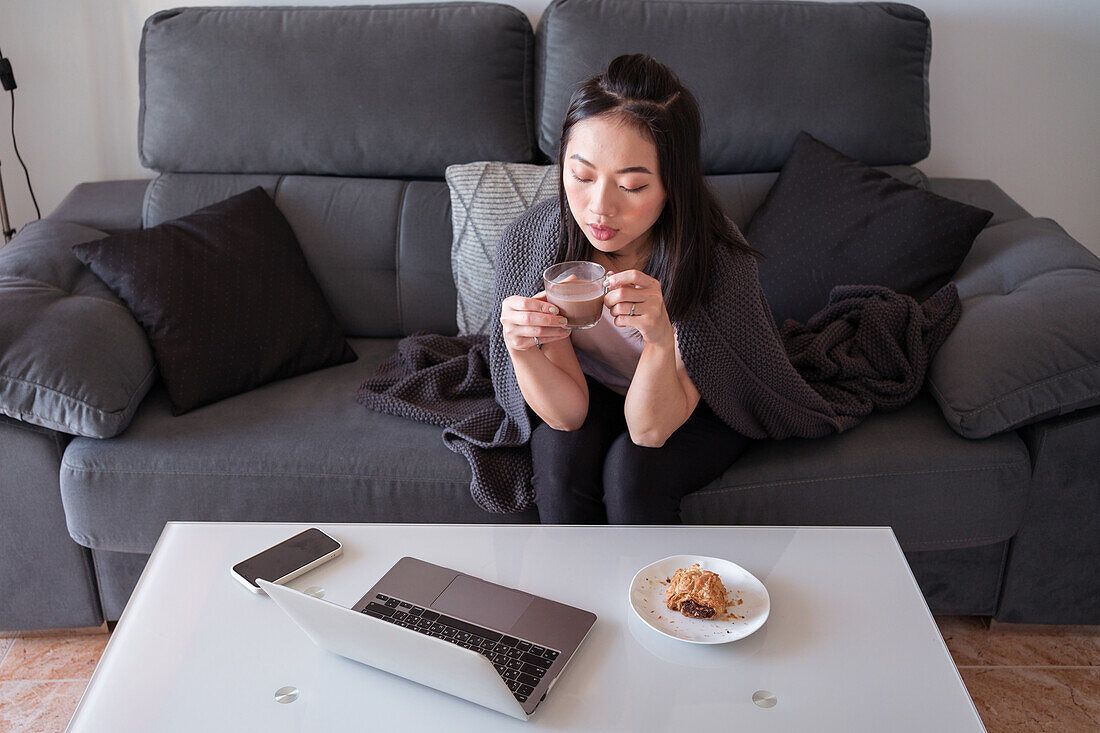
<point>519,662</point>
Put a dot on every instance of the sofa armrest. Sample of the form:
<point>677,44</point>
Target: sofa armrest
<point>72,357</point>
<point>981,193</point>
<point>110,206</point>
<point>1050,574</point>
<point>1026,347</point>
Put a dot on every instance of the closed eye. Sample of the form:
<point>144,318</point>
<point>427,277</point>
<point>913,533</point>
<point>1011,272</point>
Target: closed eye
<point>589,180</point>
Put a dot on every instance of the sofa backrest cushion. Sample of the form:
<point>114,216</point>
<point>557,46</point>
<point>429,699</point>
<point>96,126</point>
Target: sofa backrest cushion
<point>855,74</point>
<point>225,297</point>
<point>487,196</point>
<point>381,248</point>
<point>355,91</point>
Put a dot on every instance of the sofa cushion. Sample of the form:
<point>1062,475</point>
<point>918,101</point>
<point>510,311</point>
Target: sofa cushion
<point>981,193</point>
<point>485,198</point>
<point>742,194</point>
<point>244,459</point>
<point>110,206</point>
<point>301,449</point>
<point>904,469</point>
<point>353,91</point>
<point>855,74</point>
<point>72,358</point>
<point>378,247</point>
<point>1027,347</point>
<point>225,297</point>
<point>830,220</point>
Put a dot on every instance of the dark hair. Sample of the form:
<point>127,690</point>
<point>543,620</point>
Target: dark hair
<point>646,94</point>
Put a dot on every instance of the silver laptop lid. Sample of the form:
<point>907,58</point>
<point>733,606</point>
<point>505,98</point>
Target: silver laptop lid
<point>533,638</point>
<point>431,662</point>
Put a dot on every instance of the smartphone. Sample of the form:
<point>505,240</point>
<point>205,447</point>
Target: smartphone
<point>288,559</point>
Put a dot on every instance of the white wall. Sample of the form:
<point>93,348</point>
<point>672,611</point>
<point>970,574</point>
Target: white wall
<point>1015,98</point>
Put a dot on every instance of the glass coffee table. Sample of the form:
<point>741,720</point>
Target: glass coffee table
<point>849,644</point>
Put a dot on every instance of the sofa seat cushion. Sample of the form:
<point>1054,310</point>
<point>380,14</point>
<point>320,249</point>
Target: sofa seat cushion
<point>301,449</point>
<point>906,469</point>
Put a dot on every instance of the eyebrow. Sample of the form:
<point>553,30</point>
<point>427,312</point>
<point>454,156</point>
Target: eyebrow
<point>631,169</point>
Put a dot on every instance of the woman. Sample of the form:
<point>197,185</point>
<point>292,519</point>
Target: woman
<point>624,434</point>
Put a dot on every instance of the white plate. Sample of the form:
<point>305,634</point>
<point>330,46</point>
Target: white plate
<point>647,598</point>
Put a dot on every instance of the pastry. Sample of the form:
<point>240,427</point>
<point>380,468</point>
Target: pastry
<point>696,593</point>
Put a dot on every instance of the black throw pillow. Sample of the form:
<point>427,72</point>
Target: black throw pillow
<point>225,296</point>
<point>830,220</point>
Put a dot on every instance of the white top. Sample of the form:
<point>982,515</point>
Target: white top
<point>849,644</point>
<point>609,353</point>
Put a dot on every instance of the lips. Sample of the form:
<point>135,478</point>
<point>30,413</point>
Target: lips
<point>602,233</point>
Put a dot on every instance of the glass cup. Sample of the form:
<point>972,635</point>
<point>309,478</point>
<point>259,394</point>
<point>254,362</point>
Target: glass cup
<point>577,289</point>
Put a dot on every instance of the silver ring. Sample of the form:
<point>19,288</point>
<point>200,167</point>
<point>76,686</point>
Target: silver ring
<point>537,344</point>
<point>632,309</point>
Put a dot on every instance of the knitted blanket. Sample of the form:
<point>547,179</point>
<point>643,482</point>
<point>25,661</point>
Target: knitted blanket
<point>867,350</point>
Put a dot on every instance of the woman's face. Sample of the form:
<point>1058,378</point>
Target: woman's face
<point>613,185</point>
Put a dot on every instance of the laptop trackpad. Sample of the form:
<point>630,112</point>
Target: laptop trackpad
<point>483,603</point>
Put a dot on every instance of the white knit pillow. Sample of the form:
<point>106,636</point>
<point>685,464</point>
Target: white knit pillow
<point>485,198</point>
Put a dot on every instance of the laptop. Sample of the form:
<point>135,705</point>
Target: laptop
<point>492,645</point>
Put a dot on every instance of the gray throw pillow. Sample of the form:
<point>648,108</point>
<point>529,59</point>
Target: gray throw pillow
<point>72,358</point>
<point>1027,347</point>
<point>485,198</point>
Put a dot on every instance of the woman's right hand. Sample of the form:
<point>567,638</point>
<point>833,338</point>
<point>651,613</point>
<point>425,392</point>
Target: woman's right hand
<point>528,319</point>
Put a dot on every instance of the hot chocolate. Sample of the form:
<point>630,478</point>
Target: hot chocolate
<point>577,289</point>
<point>580,302</point>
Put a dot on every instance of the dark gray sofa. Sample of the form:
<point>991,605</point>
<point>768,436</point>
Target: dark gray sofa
<point>348,117</point>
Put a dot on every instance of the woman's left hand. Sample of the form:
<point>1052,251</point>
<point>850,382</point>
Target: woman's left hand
<point>634,299</point>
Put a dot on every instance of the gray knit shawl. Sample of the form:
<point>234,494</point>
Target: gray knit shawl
<point>867,350</point>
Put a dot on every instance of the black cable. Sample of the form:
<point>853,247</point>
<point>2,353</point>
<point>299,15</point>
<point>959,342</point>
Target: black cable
<point>9,84</point>
<point>20,157</point>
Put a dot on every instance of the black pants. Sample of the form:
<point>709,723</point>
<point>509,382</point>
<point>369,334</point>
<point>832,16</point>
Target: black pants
<point>597,474</point>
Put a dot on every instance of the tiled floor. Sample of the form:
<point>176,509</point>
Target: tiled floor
<point>1020,681</point>
<point>42,679</point>
<point>1028,681</point>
